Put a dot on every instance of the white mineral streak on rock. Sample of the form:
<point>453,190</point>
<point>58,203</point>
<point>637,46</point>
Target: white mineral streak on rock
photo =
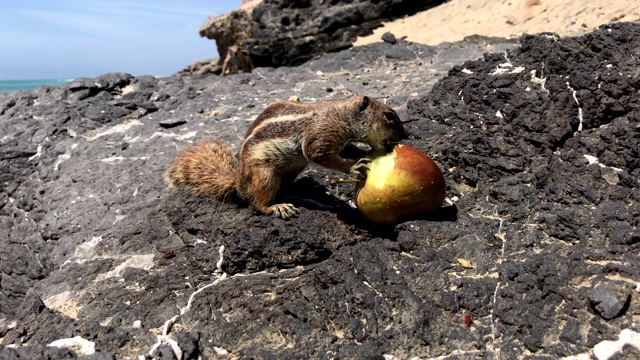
<point>120,128</point>
<point>144,262</point>
<point>79,345</point>
<point>607,348</point>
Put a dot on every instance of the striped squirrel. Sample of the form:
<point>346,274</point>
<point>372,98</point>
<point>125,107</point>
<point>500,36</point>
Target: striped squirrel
<point>236,61</point>
<point>279,144</point>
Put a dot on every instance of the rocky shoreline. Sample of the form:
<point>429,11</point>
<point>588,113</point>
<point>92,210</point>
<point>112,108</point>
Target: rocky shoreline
<point>539,146</point>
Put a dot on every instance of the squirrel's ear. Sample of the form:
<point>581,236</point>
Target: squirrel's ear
<point>364,103</point>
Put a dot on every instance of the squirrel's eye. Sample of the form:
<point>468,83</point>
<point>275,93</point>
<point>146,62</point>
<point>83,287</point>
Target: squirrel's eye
<point>391,117</point>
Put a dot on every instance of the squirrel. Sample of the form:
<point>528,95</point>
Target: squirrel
<point>236,61</point>
<point>279,144</point>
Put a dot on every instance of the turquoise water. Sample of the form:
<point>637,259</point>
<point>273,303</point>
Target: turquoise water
<point>16,85</point>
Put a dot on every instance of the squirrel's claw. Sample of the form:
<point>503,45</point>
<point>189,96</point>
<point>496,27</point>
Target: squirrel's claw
<point>284,211</point>
<point>360,167</point>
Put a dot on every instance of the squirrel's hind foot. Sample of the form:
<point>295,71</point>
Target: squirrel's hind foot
<point>284,211</point>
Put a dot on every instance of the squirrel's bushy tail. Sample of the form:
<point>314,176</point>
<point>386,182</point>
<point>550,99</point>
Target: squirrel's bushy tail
<point>207,168</point>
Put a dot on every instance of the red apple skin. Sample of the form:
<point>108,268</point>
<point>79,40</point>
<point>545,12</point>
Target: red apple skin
<point>415,185</point>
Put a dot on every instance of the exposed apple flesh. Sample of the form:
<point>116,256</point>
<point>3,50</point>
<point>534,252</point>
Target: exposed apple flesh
<point>400,184</point>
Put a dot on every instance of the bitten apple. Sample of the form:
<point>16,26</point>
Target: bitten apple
<point>400,184</point>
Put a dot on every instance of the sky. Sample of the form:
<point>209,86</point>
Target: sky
<point>66,39</point>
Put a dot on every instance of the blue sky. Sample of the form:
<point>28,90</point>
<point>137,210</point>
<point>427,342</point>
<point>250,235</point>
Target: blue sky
<point>46,39</point>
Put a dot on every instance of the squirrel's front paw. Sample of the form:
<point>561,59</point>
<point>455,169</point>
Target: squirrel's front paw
<point>360,168</point>
<point>284,211</point>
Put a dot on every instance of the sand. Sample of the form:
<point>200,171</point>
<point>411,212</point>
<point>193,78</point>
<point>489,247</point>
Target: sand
<point>456,19</point>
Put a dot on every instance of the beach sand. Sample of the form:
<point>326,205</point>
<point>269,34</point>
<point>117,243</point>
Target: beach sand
<point>456,19</point>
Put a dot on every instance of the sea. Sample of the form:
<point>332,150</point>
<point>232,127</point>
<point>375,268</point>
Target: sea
<point>17,85</point>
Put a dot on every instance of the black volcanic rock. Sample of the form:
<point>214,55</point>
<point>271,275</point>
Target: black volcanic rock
<point>538,145</point>
<point>609,299</point>
<point>291,32</point>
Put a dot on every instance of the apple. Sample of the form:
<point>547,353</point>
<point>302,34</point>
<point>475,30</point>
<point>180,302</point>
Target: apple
<point>400,184</point>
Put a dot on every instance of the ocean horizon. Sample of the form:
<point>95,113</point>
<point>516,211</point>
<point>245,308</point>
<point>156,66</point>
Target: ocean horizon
<point>8,86</point>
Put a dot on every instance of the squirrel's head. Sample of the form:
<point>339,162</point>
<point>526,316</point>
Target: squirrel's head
<point>381,125</point>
